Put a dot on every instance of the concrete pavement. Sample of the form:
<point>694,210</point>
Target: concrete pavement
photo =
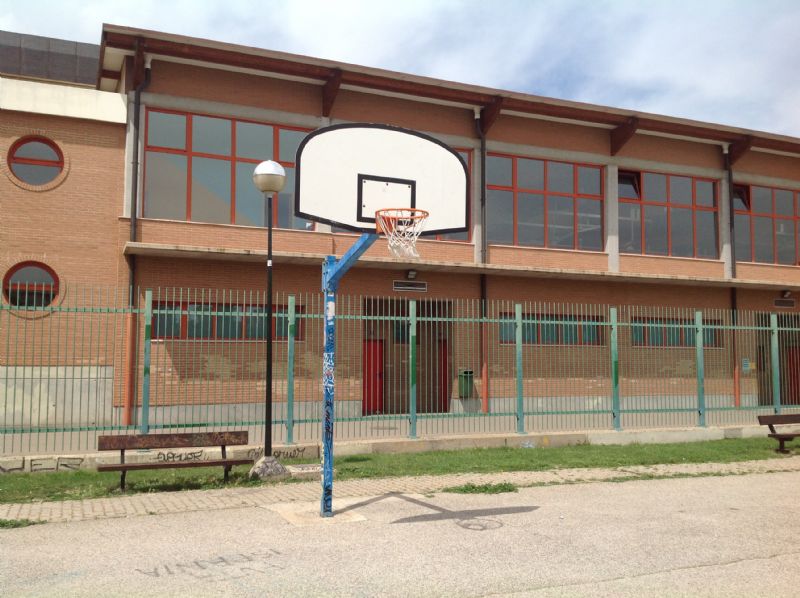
<point>734,535</point>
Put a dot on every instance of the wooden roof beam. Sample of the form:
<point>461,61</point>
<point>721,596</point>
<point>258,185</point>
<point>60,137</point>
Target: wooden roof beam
<point>490,112</point>
<point>740,148</point>
<point>623,134</point>
<point>330,90</point>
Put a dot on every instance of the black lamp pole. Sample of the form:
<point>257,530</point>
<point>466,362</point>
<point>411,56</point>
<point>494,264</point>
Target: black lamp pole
<point>268,397</point>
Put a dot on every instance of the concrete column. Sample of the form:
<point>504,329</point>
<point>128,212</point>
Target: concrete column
<point>475,208</point>
<point>725,240</point>
<point>612,217</point>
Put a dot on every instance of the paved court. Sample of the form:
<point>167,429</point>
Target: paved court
<point>734,535</point>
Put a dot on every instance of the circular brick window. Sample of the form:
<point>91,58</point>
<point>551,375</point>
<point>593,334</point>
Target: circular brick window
<point>30,284</point>
<point>36,161</point>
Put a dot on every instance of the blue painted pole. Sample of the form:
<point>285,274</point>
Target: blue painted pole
<point>290,371</point>
<point>412,369</point>
<point>332,272</point>
<point>328,387</point>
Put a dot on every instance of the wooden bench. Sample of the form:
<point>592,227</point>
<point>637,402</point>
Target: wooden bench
<point>169,441</point>
<point>780,420</point>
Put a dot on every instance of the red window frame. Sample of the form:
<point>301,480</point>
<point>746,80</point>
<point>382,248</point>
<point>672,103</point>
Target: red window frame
<point>30,288</point>
<point>773,216</point>
<point>679,324</point>
<point>559,321</point>
<point>575,195</point>
<point>216,311</point>
<point>232,157</point>
<point>639,177</point>
<point>14,159</point>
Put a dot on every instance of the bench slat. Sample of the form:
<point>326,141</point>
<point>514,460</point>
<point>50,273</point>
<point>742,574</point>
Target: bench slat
<point>778,420</point>
<point>156,441</point>
<point>171,464</point>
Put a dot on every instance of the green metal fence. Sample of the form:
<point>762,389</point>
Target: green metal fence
<point>91,363</point>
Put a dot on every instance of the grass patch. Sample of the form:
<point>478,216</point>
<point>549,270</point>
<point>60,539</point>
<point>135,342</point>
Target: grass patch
<point>13,523</point>
<point>482,488</point>
<point>73,485</point>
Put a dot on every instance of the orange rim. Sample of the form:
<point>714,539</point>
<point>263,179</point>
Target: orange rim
<point>390,216</point>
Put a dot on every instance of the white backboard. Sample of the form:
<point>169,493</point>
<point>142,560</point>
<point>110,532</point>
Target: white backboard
<point>346,172</point>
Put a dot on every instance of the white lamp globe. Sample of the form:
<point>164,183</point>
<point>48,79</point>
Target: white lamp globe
<point>269,177</point>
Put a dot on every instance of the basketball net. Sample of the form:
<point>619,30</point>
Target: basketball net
<point>402,227</point>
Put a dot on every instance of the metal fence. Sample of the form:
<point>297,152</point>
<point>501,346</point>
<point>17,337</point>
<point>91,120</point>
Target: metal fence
<point>195,358</point>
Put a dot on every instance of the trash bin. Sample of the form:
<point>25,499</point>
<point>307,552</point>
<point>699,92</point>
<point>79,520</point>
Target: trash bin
<point>466,379</point>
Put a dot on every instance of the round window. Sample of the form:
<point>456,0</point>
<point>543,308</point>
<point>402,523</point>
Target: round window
<point>30,284</point>
<point>35,160</point>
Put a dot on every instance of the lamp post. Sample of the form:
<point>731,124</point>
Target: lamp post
<point>269,177</point>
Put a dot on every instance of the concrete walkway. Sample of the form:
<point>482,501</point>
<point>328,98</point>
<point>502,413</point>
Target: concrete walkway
<point>233,498</point>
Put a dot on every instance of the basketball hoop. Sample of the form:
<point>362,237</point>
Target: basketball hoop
<point>402,227</point>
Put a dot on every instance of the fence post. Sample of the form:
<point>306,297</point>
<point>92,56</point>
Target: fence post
<point>518,344</point>
<point>148,332</point>
<point>775,362</point>
<point>699,338</point>
<point>290,370</point>
<point>412,368</point>
<point>614,346</point>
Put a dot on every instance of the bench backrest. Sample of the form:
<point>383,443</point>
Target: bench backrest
<point>156,441</point>
<point>777,420</point>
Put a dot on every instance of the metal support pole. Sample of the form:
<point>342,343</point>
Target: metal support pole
<point>518,345</point>
<point>268,390</point>
<point>412,369</point>
<point>700,367</point>
<point>328,381</point>
<point>614,346</point>
<point>292,334</point>
<point>775,362</point>
<point>148,334</point>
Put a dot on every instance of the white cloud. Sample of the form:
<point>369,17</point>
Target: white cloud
<point>728,61</point>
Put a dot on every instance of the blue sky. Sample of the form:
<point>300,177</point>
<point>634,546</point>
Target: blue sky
<point>733,62</point>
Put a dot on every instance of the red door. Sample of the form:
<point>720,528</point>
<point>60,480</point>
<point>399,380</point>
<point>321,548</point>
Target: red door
<point>791,395</point>
<point>372,401</point>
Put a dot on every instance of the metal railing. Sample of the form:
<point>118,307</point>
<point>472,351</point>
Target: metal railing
<point>91,363</point>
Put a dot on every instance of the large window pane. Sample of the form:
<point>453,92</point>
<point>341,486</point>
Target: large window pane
<point>249,200</point>
<point>530,174</point>
<point>784,238</point>
<point>211,190</point>
<point>500,217</point>
<point>229,325</point>
<point>704,194</point>
<point>560,177</point>
<point>742,248</point>
<point>588,180</point>
<point>655,229</point>
<point>590,224</point>
<point>530,220</point>
<point>35,174</point>
<point>198,321</point>
<point>706,223</point>
<point>560,222</point>
<point>211,135</point>
<point>655,187</point>
<point>630,228</point>
<point>36,150</point>
<point>165,186</point>
<point>681,232</point>
<point>498,171</point>
<point>254,141</point>
<point>761,199</point>
<point>628,183</point>
<point>680,190</point>
<point>167,321</point>
<point>166,130</point>
<point>286,215</point>
<point>784,202</point>
<point>762,240</point>
<point>289,141</point>
<point>256,322</point>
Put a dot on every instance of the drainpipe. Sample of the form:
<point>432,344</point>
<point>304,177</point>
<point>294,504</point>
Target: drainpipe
<point>483,332</point>
<point>129,384</point>
<point>737,388</point>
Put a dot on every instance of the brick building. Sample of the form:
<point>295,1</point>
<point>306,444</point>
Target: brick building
<point>135,172</point>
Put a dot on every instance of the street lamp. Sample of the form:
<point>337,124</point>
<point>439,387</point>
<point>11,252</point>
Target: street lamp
<point>269,177</point>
